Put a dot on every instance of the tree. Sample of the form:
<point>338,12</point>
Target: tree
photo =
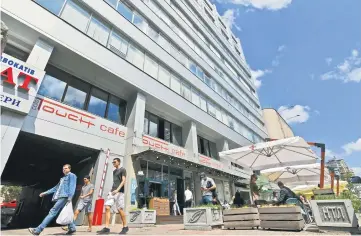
<point>10,193</point>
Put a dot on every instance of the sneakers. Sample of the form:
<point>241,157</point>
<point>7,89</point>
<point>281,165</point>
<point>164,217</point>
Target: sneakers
<point>70,232</point>
<point>33,231</point>
<point>104,231</point>
<point>124,230</point>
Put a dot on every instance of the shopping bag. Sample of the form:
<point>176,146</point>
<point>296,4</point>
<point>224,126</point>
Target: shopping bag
<point>66,215</point>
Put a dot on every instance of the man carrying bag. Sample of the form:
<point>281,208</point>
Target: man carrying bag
<point>63,194</point>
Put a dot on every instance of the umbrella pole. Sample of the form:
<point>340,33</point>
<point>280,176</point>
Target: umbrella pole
<point>338,187</point>
<point>332,174</point>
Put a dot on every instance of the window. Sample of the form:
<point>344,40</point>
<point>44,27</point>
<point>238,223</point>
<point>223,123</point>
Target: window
<point>52,87</point>
<point>76,93</point>
<point>135,56</point>
<point>125,11</point>
<point>139,22</point>
<point>207,148</point>
<point>186,91</point>
<point>195,98</point>
<point>98,102</point>
<point>174,52</point>
<point>163,42</point>
<point>211,109</point>
<point>152,125</point>
<point>98,31</point>
<point>151,67</point>
<point>203,103</point>
<point>111,2</point>
<point>118,44</point>
<point>167,131</point>
<point>76,15</point>
<point>54,6</point>
<point>192,67</point>
<point>116,109</point>
<point>177,135</point>
<point>153,34</point>
<point>182,58</point>
<point>218,113</point>
<point>164,76</point>
<point>220,21</point>
<point>208,81</point>
<point>200,73</point>
<point>175,84</point>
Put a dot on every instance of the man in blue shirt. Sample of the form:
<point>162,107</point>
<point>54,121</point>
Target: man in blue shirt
<point>63,194</point>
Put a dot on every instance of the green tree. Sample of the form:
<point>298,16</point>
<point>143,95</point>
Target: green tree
<point>10,193</point>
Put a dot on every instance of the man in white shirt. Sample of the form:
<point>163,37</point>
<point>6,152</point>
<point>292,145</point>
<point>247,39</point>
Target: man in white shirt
<point>188,197</point>
<point>208,186</point>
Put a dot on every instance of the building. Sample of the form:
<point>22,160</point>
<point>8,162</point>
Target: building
<point>342,167</point>
<point>276,126</point>
<point>162,85</point>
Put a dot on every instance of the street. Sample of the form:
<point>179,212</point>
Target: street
<point>172,229</point>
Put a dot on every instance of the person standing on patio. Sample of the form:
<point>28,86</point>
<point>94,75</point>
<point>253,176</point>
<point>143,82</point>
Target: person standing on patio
<point>254,188</point>
<point>188,197</point>
<point>208,186</point>
<point>285,193</point>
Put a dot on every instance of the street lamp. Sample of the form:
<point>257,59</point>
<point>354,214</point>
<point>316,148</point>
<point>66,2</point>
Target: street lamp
<point>292,117</point>
<point>286,108</point>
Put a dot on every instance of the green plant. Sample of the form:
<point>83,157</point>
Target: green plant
<point>10,193</point>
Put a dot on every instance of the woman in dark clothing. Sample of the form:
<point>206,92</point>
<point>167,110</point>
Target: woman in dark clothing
<point>238,201</point>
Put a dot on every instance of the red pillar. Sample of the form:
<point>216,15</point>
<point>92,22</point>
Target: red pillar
<point>332,174</point>
<point>98,212</point>
<point>338,187</point>
<point>323,156</point>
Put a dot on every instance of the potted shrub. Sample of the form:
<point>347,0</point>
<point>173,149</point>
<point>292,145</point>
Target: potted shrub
<point>204,217</point>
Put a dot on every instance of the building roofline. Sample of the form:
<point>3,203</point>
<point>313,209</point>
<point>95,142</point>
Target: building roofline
<point>271,108</point>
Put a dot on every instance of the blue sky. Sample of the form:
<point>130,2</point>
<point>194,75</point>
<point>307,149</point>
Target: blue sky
<point>306,54</point>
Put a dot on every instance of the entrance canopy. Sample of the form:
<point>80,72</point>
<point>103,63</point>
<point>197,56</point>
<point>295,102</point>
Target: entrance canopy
<point>283,152</point>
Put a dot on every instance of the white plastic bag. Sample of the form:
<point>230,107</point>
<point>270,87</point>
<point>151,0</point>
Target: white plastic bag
<point>66,215</point>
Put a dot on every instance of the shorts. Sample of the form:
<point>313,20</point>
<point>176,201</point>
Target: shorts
<point>117,200</point>
<point>85,205</point>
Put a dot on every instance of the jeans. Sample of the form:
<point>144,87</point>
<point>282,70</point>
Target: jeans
<point>207,199</point>
<point>188,204</point>
<point>59,205</point>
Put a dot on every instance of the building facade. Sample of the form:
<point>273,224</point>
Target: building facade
<point>163,85</point>
<point>341,166</point>
<point>276,126</point>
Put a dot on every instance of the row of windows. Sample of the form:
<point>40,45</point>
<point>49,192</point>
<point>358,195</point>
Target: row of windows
<point>209,14</point>
<point>195,69</point>
<point>73,13</point>
<point>163,129</point>
<point>207,148</point>
<point>65,88</point>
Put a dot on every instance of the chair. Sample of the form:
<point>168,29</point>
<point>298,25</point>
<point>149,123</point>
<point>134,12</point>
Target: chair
<point>305,213</point>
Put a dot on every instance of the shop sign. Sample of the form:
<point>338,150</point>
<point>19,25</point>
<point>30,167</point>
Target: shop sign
<point>133,192</point>
<point>210,162</point>
<point>19,84</point>
<point>58,113</point>
<point>163,146</point>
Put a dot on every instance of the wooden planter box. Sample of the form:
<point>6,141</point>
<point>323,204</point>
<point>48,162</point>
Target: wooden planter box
<point>241,218</point>
<point>284,218</point>
<point>141,218</point>
<point>202,218</point>
<point>161,205</point>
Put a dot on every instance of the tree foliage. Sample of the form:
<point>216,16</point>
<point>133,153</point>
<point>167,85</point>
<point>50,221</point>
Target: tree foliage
<point>10,193</point>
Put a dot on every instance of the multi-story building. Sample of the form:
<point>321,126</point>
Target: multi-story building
<point>342,167</point>
<point>163,85</point>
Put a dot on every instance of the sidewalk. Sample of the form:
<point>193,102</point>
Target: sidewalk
<point>172,229</point>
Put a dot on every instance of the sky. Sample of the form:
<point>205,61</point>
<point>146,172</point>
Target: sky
<point>305,57</point>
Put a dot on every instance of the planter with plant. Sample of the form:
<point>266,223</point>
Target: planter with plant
<point>139,218</point>
<point>284,217</point>
<point>241,218</point>
<point>204,217</point>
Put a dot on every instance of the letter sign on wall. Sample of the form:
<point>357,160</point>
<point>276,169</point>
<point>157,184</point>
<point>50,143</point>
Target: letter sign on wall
<point>20,83</point>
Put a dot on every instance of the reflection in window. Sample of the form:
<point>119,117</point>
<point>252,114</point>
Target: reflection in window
<point>153,34</point>
<point>139,22</point>
<point>153,125</point>
<point>98,31</point>
<point>163,42</point>
<point>164,76</point>
<point>54,6</point>
<point>116,110</point>
<point>195,98</point>
<point>125,11</point>
<point>167,131</point>
<point>175,84</point>
<point>112,2</point>
<point>186,91</point>
<point>118,44</point>
<point>192,67</point>
<point>52,87</point>
<point>135,56</point>
<point>151,67</point>
<point>200,73</point>
<point>75,15</point>
<point>176,135</point>
<point>76,93</point>
<point>98,102</point>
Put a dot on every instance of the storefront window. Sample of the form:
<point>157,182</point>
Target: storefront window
<point>52,87</point>
<point>207,148</point>
<point>98,102</point>
<point>54,6</point>
<point>76,93</point>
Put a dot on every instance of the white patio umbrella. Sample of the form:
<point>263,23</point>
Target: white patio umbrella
<point>300,174</point>
<point>283,152</point>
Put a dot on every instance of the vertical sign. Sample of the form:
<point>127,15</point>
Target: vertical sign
<point>132,193</point>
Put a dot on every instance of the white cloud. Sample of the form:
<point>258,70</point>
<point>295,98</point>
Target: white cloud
<point>328,60</point>
<point>276,60</point>
<point>281,48</point>
<point>348,71</point>
<point>256,74</point>
<point>352,147</point>
<point>357,171</point>
<point>295,114</point>
<point>330,154</point>
<point>229,18</point>
<point>263,4</point>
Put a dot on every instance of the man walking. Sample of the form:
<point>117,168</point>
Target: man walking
<point>208,186</point>
<point>63,194</point>
<point>85,202</point>
<point>116,197</point>
<point>188,197</point>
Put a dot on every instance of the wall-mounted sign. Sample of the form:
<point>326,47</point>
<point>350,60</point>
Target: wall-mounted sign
<point>19,84</point>
<point>207,161</point>
<point>163,146</point>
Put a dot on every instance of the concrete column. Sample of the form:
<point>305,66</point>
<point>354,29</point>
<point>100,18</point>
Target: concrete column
<point>11,123</point>
<point>135,125</point>
<point>222,145</point>
<point>190,137</point>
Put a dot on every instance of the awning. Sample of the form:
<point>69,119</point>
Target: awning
<point>283,152</point>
